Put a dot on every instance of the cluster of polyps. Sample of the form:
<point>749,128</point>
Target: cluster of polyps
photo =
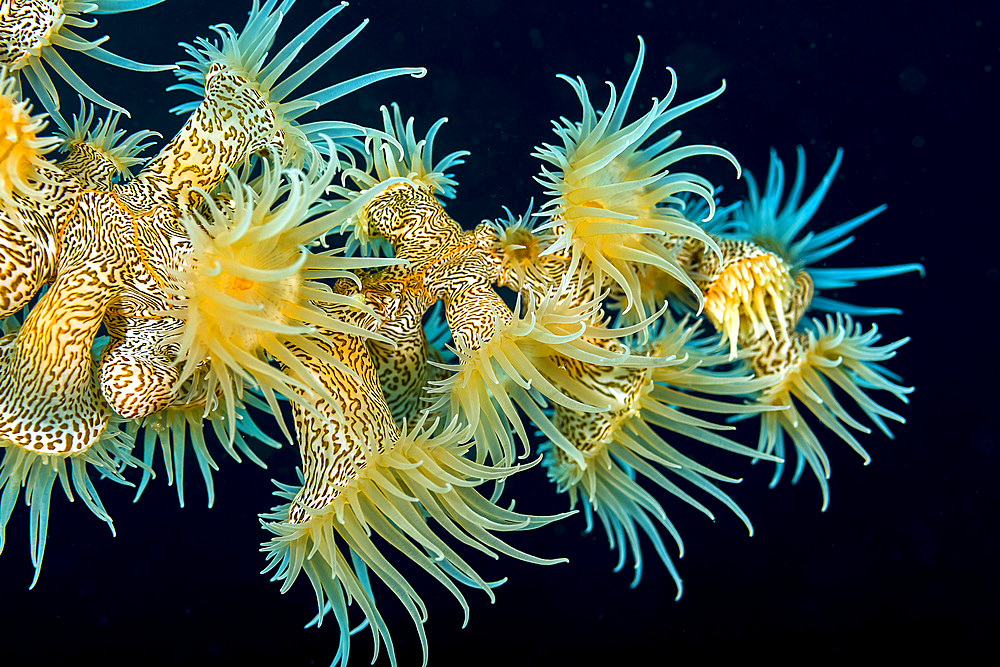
<point>202,291</point>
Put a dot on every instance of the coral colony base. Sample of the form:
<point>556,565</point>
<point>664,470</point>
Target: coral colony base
<point>268,258</point>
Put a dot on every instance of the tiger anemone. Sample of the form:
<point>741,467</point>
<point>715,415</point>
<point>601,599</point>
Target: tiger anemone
<point>393,156</point>
<point>525,363</point>
<point>397,153</point>
<point>246,55</point>
<point>22,149</point>
<point>109,454</point>
<point>637,446</point>
<point>36,30</point>
<point>528,267</point>
<point>100,154</point>
<point>833,354</point>
<point>405,487</point>
<point>615,204</point>
<point>249,289</point>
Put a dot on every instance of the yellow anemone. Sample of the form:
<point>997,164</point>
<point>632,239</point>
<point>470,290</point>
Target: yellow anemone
<point>626,452</point>
<point>525,362</point>
<point>401,492</point>
<point>100,154</point>
<point>614,201</point>
<point>31,31</point>
<point>250,287</point>
<point>803,368</point>
<point>246,54</point>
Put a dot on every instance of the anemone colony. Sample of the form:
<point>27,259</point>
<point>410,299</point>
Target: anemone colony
<point>203,291</point>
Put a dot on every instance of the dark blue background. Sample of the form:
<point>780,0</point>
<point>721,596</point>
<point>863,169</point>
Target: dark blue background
<point>903,562</point>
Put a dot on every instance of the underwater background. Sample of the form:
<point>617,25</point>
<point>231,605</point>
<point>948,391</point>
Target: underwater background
<point>904,560</point>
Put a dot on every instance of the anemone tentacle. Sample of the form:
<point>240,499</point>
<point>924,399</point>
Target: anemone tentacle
<point>168,430</point>
<point>23,148</point>
<point>101,154</point>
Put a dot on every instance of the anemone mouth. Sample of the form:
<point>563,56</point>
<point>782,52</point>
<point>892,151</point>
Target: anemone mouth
<point>520,246</point>
<point>748,295</point>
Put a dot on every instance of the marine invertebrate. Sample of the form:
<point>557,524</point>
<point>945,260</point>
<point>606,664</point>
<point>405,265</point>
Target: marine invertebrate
<point>776,221</point>
<point>627,442</point>
<point>836,351</point>
<point>32,30</point>
<point>758,291</point>
<point>101,154</point>
<point>211,272</point>
<point>250,287</point>
<point>614,198</point>
<point>22,148</point>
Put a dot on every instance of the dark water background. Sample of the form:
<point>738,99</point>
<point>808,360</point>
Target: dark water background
<point>903,562</point>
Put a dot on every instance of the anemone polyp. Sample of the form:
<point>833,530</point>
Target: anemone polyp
<point>248,287</point>
<point>736,299</point>
<point>615,200</point>
<point>33,31</point>
<point>808,367</point>
<point>21,147</point>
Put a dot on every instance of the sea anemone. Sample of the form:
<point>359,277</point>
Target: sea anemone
<point>417,481</point>
<point>626,446</point>
<point>747,290</point>
<point>524,362</point>
<point>32,31</point>
<point>37,472</point>
<point>528,266</point>
<point>804,366</point>
<point>249,289</point>
<point>100,154</point>
<point>397,153</point>
<point>394,156</point>
<point>245,54</point>
<point>614,201</point>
